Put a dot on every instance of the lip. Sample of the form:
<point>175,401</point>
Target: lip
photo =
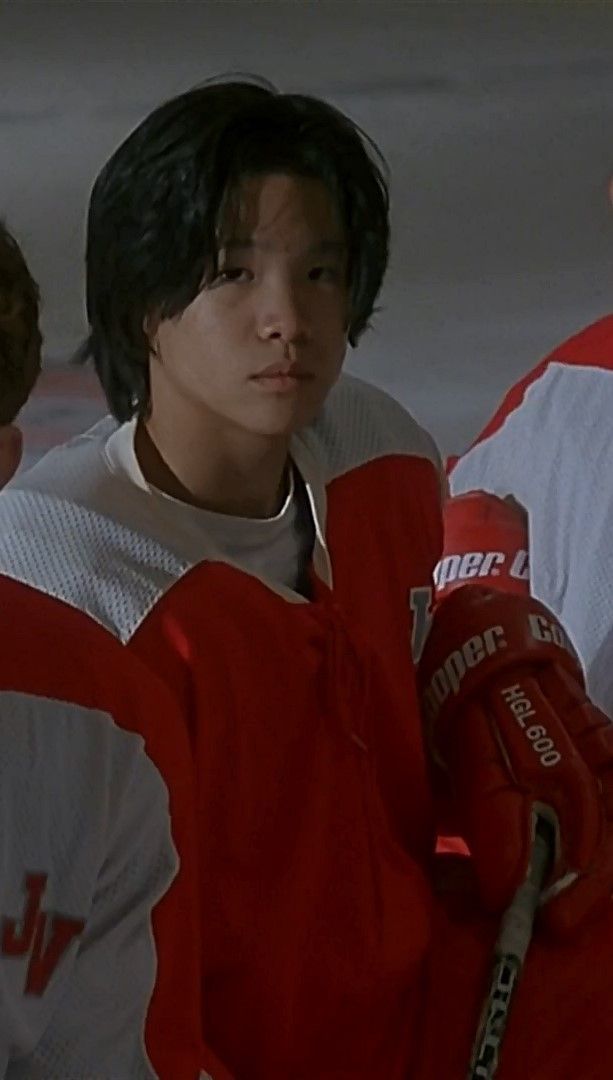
<point>293,371</point>
<point>280,381</point>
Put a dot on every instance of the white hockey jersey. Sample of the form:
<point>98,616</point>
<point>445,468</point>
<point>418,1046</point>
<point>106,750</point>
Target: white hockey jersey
<point>550,445</point>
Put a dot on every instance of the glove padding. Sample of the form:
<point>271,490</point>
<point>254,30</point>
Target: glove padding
<point>508,720</point>
<point>486,543</point>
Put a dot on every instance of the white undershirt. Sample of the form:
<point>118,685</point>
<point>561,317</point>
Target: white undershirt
<point>276,549</point>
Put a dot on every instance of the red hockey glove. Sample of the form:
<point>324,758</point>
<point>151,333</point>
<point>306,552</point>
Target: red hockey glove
<point>486,543</point>
<point>508,720</point>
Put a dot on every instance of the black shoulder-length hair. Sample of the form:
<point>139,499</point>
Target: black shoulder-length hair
<point>20,336</point>
<point>156,208</point>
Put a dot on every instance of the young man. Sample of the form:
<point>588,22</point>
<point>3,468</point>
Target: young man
<point>262,532</point>
<point>97,971</point>
<point>549,445</point>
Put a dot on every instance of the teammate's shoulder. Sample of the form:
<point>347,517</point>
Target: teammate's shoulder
<point>580,369</point>
<point>588,351</point>
<point>590,347</point>
<point>361,422</point>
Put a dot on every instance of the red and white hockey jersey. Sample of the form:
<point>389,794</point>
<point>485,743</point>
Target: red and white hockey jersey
<point>325,955</point>
<point>550,445</point>
<point>98,921</point>
<point>314,809</point>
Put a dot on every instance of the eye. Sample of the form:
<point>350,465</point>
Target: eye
<point>232,275</point>
<point>324,273</point>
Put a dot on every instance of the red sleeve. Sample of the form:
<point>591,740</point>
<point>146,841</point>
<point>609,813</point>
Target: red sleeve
<point>175,1020</point>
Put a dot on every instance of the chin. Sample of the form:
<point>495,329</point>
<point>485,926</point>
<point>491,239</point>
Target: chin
<point>282,418</point>
<point>280,429</point>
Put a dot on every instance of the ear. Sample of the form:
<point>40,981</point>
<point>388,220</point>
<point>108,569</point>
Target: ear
<point>11,450</point>
<point>150,329</point>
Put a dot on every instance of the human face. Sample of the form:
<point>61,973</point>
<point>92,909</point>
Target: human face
<point>260,347</point>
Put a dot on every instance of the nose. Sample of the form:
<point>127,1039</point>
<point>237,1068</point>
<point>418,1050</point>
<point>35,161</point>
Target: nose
<point>282,315</point>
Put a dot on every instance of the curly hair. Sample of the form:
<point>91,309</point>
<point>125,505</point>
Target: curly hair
<point>157,205</point>
<point>20,337</point>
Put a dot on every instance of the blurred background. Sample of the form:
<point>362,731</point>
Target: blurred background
<point>496,119</point>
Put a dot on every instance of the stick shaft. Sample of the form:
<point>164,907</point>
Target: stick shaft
<point>510,952</point>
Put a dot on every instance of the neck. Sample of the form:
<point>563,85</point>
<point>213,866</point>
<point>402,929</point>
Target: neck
<point>211,465</point>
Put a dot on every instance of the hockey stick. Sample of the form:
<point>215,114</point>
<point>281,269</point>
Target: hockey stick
<point>509,955</point>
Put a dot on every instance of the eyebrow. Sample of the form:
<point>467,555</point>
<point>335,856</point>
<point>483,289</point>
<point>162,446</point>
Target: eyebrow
<point>323,247</point>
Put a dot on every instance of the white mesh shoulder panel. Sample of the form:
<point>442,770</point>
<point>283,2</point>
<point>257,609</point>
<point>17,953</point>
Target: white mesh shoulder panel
<point>554,454</point>
<point>95,563</point>
<point>77,532</point>
<point>360,423</point>
<point>74,792</point>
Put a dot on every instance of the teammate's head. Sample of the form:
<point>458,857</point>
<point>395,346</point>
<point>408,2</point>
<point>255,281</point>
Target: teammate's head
<point>171,295</point>
<point>20,347</point>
